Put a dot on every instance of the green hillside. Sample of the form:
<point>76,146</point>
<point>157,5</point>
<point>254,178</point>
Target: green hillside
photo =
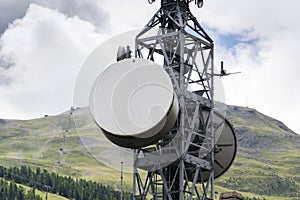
<point>268,156</point>
<point>267,162</point>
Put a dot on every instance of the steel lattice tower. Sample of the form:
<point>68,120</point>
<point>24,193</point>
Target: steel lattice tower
<point>174,37</point>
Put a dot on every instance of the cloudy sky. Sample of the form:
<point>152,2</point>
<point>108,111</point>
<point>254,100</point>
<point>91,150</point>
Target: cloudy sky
<point>44,43</point>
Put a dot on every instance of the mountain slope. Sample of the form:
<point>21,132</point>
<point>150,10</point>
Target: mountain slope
<point>268,156</point>
<point>267,161</point>
<point>258,131</point>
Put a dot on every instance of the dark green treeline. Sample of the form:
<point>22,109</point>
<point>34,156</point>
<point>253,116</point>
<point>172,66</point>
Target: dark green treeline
<point>68,187</point>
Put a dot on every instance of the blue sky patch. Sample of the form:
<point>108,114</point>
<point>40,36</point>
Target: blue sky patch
<point>230,40</point>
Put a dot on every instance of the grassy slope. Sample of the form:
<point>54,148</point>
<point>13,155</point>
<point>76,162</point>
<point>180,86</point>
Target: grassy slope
<point>42,193</point>
<point>268,156</point>
<point>37,143</point>
<point>268,151</point>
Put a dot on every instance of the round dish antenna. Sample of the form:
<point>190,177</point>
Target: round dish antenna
<point>133,103</point>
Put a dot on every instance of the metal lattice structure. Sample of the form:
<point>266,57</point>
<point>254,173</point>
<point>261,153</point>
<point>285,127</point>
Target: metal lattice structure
<point>180,166</point>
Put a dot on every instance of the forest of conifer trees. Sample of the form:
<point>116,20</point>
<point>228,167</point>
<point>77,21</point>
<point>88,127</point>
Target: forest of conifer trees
<point>65,186</point>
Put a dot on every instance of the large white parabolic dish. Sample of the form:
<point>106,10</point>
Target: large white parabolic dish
<point>133,102</point>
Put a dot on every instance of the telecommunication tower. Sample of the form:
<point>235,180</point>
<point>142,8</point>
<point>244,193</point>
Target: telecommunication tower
<point>188,58</point>
<point>187,144</point>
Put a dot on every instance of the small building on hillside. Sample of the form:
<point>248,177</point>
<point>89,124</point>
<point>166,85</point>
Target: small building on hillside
<point>231,196</point>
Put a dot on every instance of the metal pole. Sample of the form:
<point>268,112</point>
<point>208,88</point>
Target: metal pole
<point>134,174</point>
<point>182,143</point>
<point>212,126</point>
<point>47,189</point>
<point>121,183</point>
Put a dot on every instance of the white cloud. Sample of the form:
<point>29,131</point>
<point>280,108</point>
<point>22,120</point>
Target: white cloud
<point>88,10</point>
<point>127,15</point>
<point>269,81</point>
<point>47,49</point>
